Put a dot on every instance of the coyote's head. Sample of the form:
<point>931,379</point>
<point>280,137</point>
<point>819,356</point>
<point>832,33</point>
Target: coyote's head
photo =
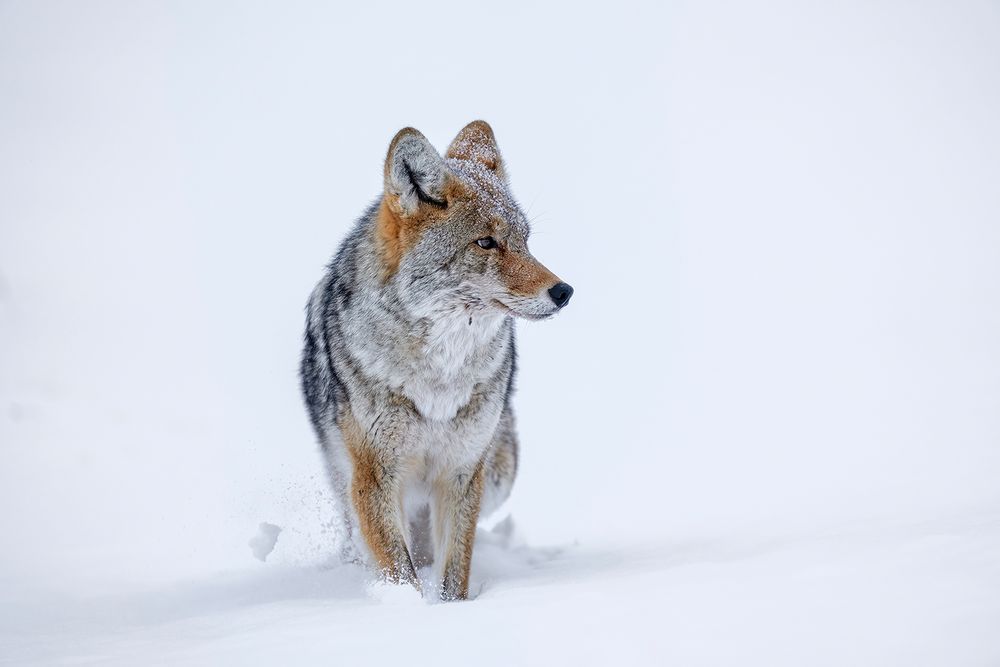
<point>451,235</point>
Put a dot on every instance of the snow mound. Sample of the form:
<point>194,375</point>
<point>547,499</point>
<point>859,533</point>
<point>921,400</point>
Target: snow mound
<point>262,544</point>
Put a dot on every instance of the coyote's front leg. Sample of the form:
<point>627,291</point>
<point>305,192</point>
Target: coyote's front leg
<point>375,493</point>
<point>456,512</point>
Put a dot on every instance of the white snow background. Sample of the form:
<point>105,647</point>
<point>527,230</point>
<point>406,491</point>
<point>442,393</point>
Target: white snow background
<point>766,431</point>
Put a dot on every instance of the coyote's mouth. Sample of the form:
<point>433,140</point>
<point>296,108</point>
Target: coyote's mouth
<point>535,317</point>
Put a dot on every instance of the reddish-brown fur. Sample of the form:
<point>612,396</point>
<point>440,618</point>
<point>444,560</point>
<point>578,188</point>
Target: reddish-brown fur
<point>398,232</point>
<point>373,493</point>
<point>523,274</point>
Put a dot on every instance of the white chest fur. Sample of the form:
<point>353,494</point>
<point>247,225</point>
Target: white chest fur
<point>456,353</point>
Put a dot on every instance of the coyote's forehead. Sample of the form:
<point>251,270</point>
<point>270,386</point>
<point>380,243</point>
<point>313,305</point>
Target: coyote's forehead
<point>489,197</point>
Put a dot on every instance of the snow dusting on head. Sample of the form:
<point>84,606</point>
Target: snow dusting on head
<point>474,158</point>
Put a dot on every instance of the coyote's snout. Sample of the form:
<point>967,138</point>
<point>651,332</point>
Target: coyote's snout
<point>409,356</point>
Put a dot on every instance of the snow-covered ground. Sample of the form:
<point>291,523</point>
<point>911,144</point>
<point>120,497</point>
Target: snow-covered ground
<point>766,431</point>
<point>878,594</point>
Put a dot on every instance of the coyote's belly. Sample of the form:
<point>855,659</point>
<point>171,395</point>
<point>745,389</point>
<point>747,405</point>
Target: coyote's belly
<point>438,399</point>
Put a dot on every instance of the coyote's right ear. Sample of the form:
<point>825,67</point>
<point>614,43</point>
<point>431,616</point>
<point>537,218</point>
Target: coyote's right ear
<point>414,173</point>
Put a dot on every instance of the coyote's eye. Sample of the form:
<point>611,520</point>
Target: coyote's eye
<point>487,243</point>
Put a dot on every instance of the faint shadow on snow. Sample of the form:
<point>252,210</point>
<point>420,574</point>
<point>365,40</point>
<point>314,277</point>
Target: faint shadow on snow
<point>501,561</point>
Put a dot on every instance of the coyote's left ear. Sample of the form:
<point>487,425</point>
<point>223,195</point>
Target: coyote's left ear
<point>476,142</point>
<point>415,174</point>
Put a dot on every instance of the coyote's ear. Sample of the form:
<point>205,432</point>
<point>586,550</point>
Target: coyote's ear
<point>414,173</point>
<point>476,142</point>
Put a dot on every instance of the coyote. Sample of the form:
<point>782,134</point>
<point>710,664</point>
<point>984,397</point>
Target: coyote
<point>409,358</point>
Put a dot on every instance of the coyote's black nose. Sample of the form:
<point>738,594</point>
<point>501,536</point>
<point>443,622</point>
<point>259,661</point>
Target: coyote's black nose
<point>561,293</point>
